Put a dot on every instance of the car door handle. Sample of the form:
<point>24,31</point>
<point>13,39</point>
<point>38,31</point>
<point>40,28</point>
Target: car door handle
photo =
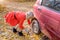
<point>39,9</point>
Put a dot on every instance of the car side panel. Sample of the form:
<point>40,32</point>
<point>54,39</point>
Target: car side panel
<point>38,16</point>
<point>51,19</point>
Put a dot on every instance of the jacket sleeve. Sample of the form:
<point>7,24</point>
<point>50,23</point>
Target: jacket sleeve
<point>21,25</point>
<point>29,22</point>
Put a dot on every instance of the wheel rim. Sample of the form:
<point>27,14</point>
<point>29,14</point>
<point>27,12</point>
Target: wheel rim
<point>35,26</point>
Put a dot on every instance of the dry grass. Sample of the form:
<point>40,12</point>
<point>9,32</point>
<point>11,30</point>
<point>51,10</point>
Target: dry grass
<point>22,0</point>
<point>2,8</point>
<point>6,31</point>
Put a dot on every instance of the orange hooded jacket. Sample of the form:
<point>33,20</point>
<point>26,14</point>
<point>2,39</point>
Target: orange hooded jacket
<point>14,18</point>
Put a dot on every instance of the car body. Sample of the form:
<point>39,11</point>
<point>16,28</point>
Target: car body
<point>47,13</point>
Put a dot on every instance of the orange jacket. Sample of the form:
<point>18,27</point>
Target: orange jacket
<point>14,18</point>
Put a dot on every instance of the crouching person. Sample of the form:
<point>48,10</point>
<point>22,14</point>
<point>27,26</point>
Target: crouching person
<point>17,18</point>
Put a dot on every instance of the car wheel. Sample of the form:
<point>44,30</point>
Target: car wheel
<point>35,26</point>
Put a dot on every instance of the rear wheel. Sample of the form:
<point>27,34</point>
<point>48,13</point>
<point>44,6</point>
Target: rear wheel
<point>37,30</point>
<point>36,26</point>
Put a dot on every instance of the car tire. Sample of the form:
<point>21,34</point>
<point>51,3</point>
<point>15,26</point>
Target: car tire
<point>35,26</point>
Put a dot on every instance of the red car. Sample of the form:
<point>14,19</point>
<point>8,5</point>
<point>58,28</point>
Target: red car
<point>47,18</point>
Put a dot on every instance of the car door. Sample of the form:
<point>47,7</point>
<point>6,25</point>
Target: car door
<point>50,16</point>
